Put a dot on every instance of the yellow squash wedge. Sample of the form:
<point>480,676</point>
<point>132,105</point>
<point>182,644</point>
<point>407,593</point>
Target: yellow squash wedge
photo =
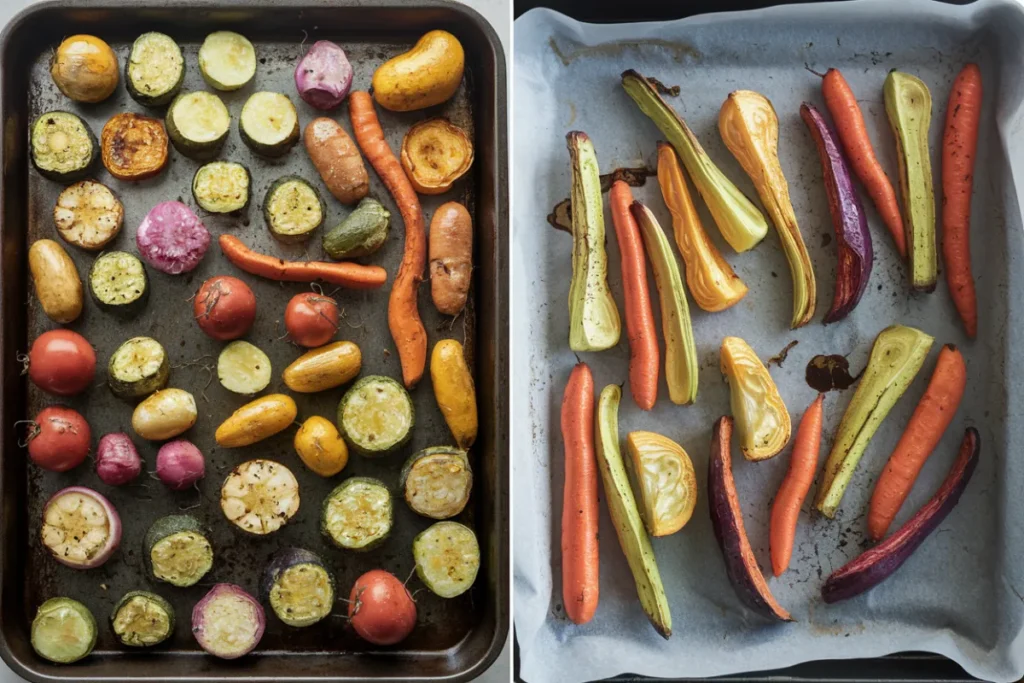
<point>320,446</point>
<point>454,391</point>
<point>256,421</point>
<point>426,75</point>
<point>761,417</point>
<point>664,475</point>
<point>323,368</point>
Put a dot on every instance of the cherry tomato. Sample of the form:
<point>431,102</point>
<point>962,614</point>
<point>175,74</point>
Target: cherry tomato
<point>380,608</point>
<point>61,362</point>
<point>59,439</point>
<point>311,319</point>
<point>224,307</point>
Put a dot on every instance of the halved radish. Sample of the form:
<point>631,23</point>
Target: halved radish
<point>81,528</point>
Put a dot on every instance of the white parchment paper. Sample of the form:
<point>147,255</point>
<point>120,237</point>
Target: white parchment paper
<point>960,594</point>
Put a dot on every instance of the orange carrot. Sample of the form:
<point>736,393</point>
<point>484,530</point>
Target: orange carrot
<point>849,120</point>
<point>579,502</point>
<point>403,312</point>
<point>351,275</point>
<point>802,465</point>
<point>930,419</point>
<point>644,358</point>
<point>959,144</point>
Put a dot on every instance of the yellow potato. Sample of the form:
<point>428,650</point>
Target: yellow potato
<point>56,280</point>
<point>426,75</point>
<point>454,391</point>
<point>257,420</point>
<point>323,368</point>
<point>320,446</point>
<point>165,414</point>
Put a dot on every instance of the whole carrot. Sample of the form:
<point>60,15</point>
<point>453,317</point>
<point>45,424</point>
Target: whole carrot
<point>802,465</point>
<point>959,144</point>
<point>849,120</point>
<point>403,313</point>
<point>930,419</point>
<point>579,503</point>
<point>644,358</point>
<point>351,275</point>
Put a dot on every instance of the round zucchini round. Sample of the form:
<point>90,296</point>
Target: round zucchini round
<point>447,558</point>
<point>293,209</point>
<point>376,416</point>
<point>138,368</point>
<point>118,282</point>
<point>154,70</point>
<point>299,587</point>
<point>63,631</point>
<point>222,187</point>
<point>63,147</point>
<point>178,550</point>
<point>269,124</point>
<point>142,619</point>
<point>243,368</point>
<point>198,124</point>
<point>437,481</point>
<point>357,514</point>
<point>227,60</point>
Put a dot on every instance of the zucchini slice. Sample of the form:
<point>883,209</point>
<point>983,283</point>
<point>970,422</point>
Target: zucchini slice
<point>63,631</point>
<point>142,619</point>
<point>437,482</point>
<point>118,282</point>
<point>299,587</point>
<point>376,415</point>
<point>292,209</point>
<point>178,550</point>
<point>357,514</point>
<point>243,368</point>
<point>138,368</point>
<point>155,69</point>
<point>88,215</point>
<point>260,496</point>
<point>63,147</point>
<point>269,124</point>
<point>447,558</point>
<point>227,60</point>
<point>222,187</point>
<point>198,123</point>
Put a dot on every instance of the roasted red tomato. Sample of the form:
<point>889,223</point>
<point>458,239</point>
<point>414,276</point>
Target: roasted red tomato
<point>380,608</point>
<point>224,307</point>
<point>61,362</point>
<point>311,319</point>
<point>58,439</point>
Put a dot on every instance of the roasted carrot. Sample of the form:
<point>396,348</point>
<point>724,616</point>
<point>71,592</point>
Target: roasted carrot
<point>959,144</point>
<point>802,465</point>
<point>346,274</point>
<point>930,419</point>
<point>403,312</point>
<point>853,134</point>
<point>579,502</point>
<point>644,358</point>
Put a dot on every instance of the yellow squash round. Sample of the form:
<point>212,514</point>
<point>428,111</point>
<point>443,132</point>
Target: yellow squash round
<point>324,368</point>
<point>426,75</point>
<point>454,391</point>
<point>320,446</point>
<point>257,420</point>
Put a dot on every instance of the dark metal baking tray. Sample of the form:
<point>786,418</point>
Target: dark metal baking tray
<point>454,639</point>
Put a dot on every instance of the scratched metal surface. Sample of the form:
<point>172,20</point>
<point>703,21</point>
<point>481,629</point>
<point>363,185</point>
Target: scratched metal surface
<point>955,596</point>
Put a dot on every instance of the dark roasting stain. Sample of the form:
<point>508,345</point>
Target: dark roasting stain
<point>560,217</point>
<point>671,91</point>
<point>826,239</point>
<point>827,373</point>
<point>780,358</point>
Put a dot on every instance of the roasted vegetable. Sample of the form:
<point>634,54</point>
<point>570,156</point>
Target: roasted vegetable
<point>84,68</point>
<point>593,317</point>
<point>63,631</point>
<point>61,362</point>
<point>269,124</point>
<point>447,557</point>
<point>345,274</point>
<point>362,233</point>
<point>727,521</point>
<point>681,370</point>
<point>710,279</point>
<point>739,221</point>
<point>222,187</point>
<point>380,608</point>
<point>873,566</point>
<point>88,215</point>
<point>117,459</point>
<point>454,390</point>
<point>750,129</point>
<point>228,622</point>
<point>81,529</point>
<point>56,281</point>
<point>227,60</point>
<point>118,283</point>
<point>63,147</point>
<point>180,464</point>
<point>908,104</point>
<point>323,368</point>
<point>299,587</point>
<point>450,257</point>
<point>257,420</point>
<point>243,368</point>
<point>292,209</point>
<point>437,482</point>
<point>426,75</point>
<point>337,160</point>
<point>172,239</point>
<point>357,514</point>
<point>664,476</point>
<point>133,147</point>
<point>154,70</point>
<point>224,308</point>
<point>178,550</point>
<point>165,414</point>
<point>311,319</point>
<point>376,416</point>
<point>764,424</point>
<point>142,619</point>
<point>197,124</point>
<point>436,153</point>
<point>323,76</point>
<point>137,368</point>
<point>259,496</point>
<point>896,356</point>
<point>320,446</point>
<point>625,514</point>
<point>58,439</point>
